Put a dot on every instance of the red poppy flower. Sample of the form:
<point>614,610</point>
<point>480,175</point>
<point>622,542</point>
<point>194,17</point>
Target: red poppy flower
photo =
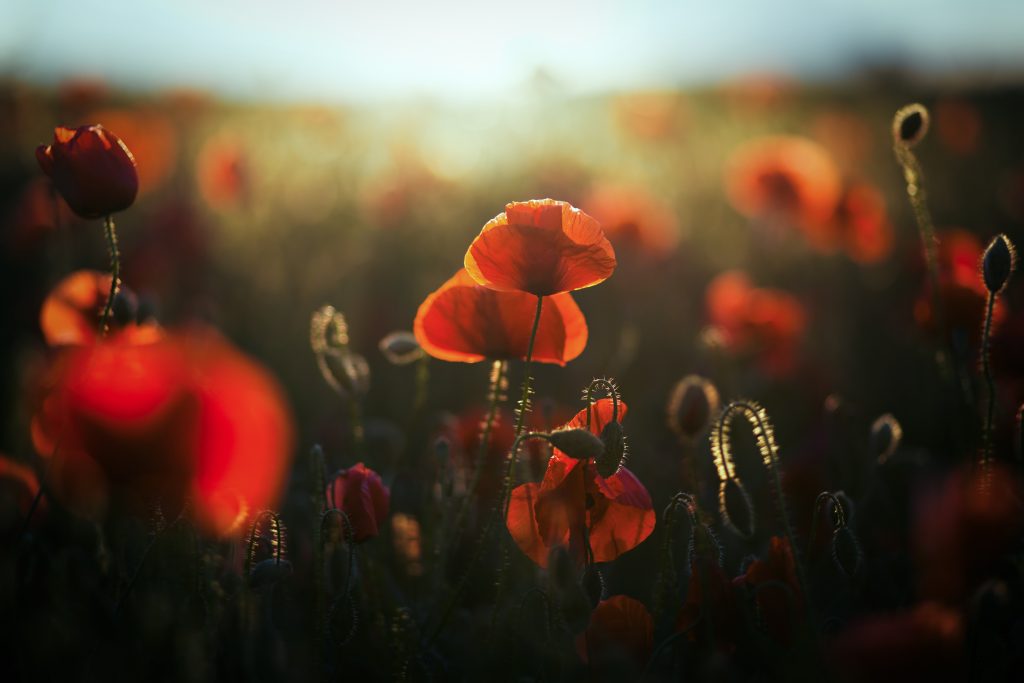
<point>779,609</point>
<point>620,629</point>
<point>92,169</point>
<point>632,216</point>
<point>186,416</point>
<point>784,177</point>
<point>463,321</point>
<point>710,595</point>
<point>541,246</point>
<point>925,643</point>
<point>766,324</point>
<point>360,494</point>
<point>574,498</point>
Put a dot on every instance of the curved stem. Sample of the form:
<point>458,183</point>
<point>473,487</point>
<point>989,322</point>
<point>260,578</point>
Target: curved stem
<point>115,272</point>
<point>840,516</point>
<point>613,394</point>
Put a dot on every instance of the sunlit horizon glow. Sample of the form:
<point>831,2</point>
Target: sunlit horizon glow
<point>328,50</point>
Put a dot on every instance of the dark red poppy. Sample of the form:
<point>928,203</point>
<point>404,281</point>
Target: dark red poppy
<point>360,494</point>
<point>631,216</point>
<point>784,177</point>
<point>542,247</point>
<point>464,321</point>
<point>154,141</point>
<point>765,324</point>
<point>710,596</point>
<point>925,643</point>
<point>573,499</point>
<point>780,610</point>
<point>222,172</point>
<point>92,169</point>
<point>620,628</point>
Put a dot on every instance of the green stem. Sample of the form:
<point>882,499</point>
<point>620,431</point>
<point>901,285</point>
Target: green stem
<point>115,272</point>
<point>986,450</point>
<point>524,402</point>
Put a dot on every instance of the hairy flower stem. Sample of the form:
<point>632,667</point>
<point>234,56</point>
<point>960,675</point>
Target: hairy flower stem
<point>986,448</point>
<point>115,272</point>
<point>609,388</point>
<point>524,401</point>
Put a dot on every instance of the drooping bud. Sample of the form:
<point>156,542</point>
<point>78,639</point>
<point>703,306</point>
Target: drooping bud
<point>997,263</point>
<point>593,585</point>
<point>690,406</point>
<point>614,439</point>
<point>400,348</point>
<point>736,508</point>
<point>910,124</point>
<point>846,552</point>
<point>581,444</point>
<point>885,437</point>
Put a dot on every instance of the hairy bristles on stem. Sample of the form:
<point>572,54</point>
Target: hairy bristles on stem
<point>666,584</point>
<point>115,272</point>
<point>611,389</point>
<point>275,530</point>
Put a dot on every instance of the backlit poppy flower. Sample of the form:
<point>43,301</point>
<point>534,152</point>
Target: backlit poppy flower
<point>765,324</point>
<point>464,321</point>
<point>542,247</point>
<point>360,493</point>
<point>621,630</point>
<point>572,499</point>
<point>779,609</point>
<point>184,417</point>
<point>925,643</point>
<point>92,169</point>
<point>784,177</point>
<point>633,216</point>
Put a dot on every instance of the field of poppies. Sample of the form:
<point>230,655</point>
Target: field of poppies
<point>722,384</point>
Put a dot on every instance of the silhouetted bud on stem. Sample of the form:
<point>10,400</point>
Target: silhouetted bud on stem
<point>910,124</point>
<point>690,406</point>
<point>577,443</point>
<point>846,552</point>
<point>614,439</point>
<point>997,263</point>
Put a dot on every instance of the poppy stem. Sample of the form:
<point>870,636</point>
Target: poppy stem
<point>524,401</point>
<point>986,339</point>
<point>115,271</point>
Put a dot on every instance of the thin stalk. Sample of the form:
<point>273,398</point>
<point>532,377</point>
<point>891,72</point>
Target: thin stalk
<point>986,449</point>
<point>524,401</point>
<point>115,271</point>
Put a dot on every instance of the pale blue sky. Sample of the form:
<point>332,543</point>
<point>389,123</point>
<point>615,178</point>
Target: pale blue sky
<point>344,50</point>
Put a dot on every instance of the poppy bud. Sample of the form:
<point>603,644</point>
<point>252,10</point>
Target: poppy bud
<point>581,444</point>
<point>910,124</point>
<point>846,552</point>
<point>690,406</point>
<point>736,508</point>
<point>360,493</point>
<point>997,263</point>
<point>400,348</point>
<point>91,168</point>
<point>614,439</point>
<point>885,437</point>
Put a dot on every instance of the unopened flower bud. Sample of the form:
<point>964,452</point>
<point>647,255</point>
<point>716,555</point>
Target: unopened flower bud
<point>400,348</point>
<point>614,439</point>
<point>736,508</point>
<point>690,406</point>
<point>577,443</point>
<point>997,263</point>
<point>910,124</point>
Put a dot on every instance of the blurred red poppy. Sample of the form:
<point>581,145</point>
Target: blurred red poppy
<point>183,417</point>
<point>360,493</point>
<point>92,169</point>
<point>620,628</point>
<point>925,643</point>
<point>780,603</point>
<point>634,217</point>
<point>222,173</point>
<point>542,247</point>
<point>765,324</point>
<point>862,224</point>
<point>464,321</point>
<point>71,311</point>
<point>573,501</point>
<point>784,177</point>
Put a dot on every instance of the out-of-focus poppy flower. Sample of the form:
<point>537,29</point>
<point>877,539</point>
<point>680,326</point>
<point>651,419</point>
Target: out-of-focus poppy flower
<point>649,115</point>
<point>621,630</point>
<point>542,247</point>
<point>463,432</point>
<point>18,488</point>
<point>765,324</point>
<point>360,493</point>
<point>710,596</point>
<point>958,125</point>
<point>464,321</point>
<point>779,609</point>
<point>573,502</point>
<point>756,92</point>
<point>71,312</point>
<point>784,177</point>
<point>80,93</point>
<point>222,172</point>
<point>846,135</point>
<point>961,288</point>
<point>962,530</point>
<point>631,216</point>
<point>862,225</point>
<point>153,141</point>
<point>925,643</point>
<point>405,530</point>
<point>400,348</point>
<point>184,417</point>
<point>91,168</point>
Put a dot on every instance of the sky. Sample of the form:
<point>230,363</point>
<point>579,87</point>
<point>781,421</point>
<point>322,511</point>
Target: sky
<point>337,50</point>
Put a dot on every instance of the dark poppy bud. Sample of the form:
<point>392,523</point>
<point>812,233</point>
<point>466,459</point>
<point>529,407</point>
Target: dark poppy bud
<point>91,168</point>
<point>614,439</point>
<point>846,552</point>
<point>885,437</point>
<point>581,444</point>
<point>997,263</point>
<point>593,585</point>
<point>124,308</point>
<point>736,508</point>
<point>910,124</point>
<point>268,572</point>
<point>690,406</point>
<point>400,348</point>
